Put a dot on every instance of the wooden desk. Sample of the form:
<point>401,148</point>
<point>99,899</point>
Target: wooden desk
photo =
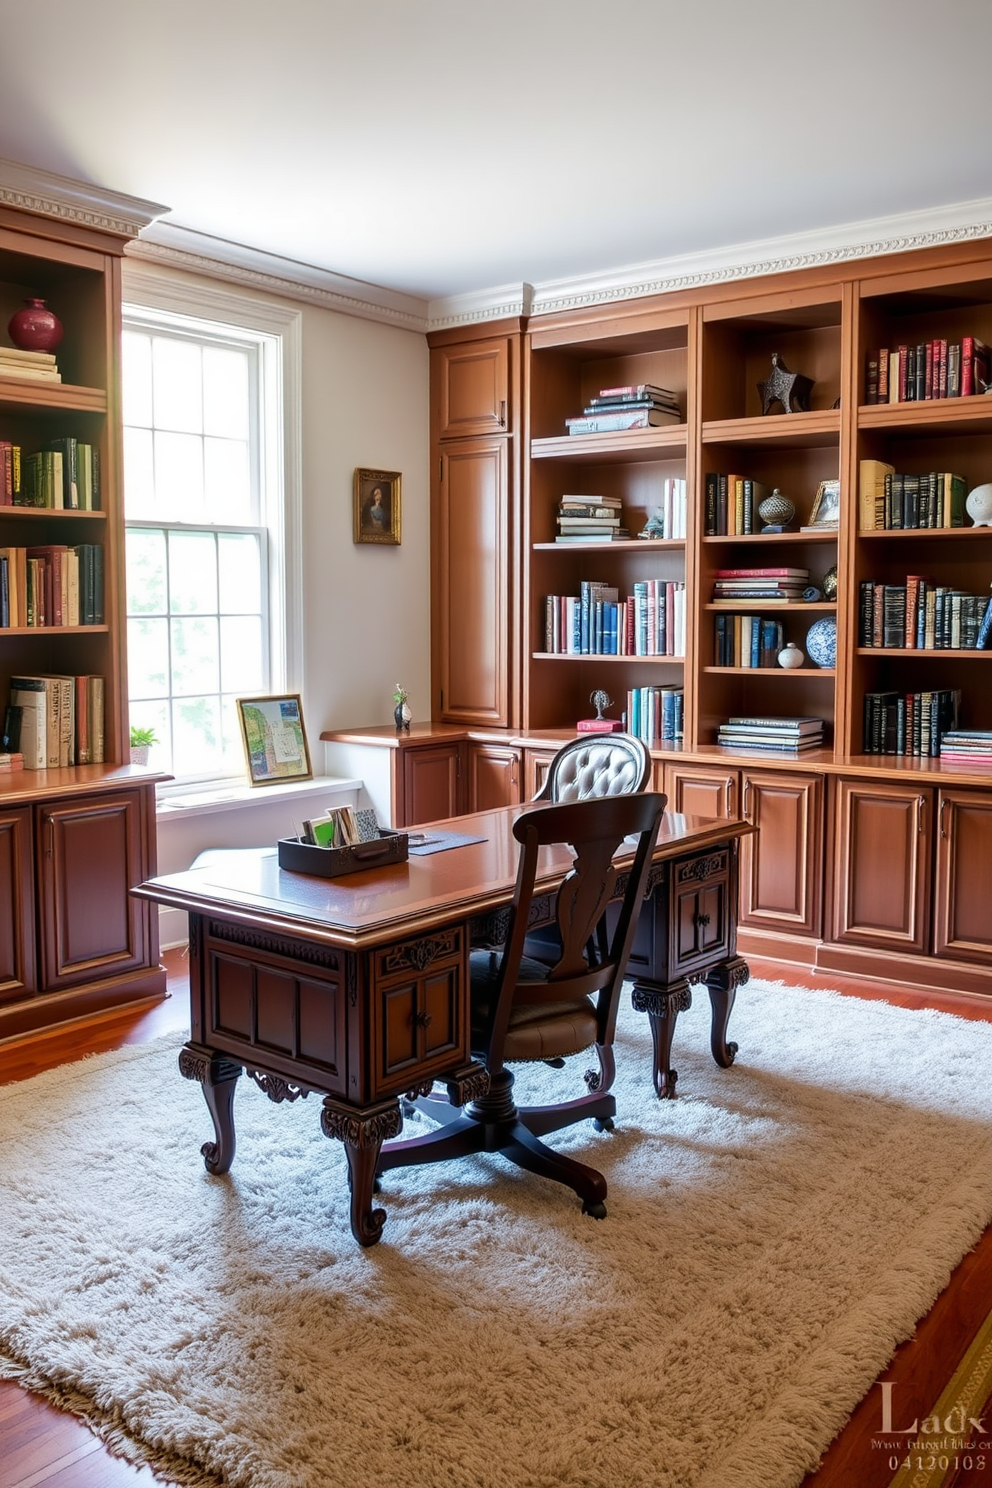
<point>357,987</point>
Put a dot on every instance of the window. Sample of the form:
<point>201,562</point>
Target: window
<point>209,550</point>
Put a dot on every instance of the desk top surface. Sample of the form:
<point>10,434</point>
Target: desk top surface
<point>366,907</point>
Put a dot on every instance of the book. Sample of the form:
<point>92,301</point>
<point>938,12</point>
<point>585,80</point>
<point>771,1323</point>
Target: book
<point>638,390</point>
<point>761,573</point>
<point>871,493</point>
<point>615,534</point>
<point>570,499</point>
<point>608,423</point>
<point>800,725</point>
<point>31,696</point>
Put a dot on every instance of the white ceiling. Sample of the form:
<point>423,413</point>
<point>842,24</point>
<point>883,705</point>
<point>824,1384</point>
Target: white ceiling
<point>440,147</point>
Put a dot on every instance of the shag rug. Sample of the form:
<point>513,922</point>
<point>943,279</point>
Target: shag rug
<point>772,1235</point>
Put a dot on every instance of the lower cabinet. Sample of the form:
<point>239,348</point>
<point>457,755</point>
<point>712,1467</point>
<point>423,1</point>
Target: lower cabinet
<point>72,939</point>
<point>495,776</point>
<point>431,783</point>
<point>781,866</point>
<point>962,918</point>
<point>880,851</point>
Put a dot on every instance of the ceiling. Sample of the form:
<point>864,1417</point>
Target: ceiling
<point>442,147</point>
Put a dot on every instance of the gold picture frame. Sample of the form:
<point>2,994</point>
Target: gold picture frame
<point>274,738</point>
<point>825,511</point>
<point>377,506</point>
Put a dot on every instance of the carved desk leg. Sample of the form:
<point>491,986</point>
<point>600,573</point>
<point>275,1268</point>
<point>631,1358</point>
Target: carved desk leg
<point>219,1077</point>
<point>722,983</point>
<point>663,1005</point>
<point>363,1133</point>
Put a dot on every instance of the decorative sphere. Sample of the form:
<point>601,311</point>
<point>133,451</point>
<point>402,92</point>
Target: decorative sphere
<point>830,583</point>
<point>979,505</point>
<point>35,328</point>
<point>776,509</point>
<point>790,656</point>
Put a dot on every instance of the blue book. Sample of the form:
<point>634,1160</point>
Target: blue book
<point>984,629</point>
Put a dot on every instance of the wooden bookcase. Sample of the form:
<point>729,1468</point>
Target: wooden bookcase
<point>74,840</point>
<point>866,863</point>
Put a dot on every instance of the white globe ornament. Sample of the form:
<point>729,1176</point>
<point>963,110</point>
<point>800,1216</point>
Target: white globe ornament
<point>979,505</point>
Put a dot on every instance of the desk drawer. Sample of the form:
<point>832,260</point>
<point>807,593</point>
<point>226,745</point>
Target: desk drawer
<point>699,920</point>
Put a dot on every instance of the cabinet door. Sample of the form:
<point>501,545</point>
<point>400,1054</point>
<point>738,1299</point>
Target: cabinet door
<point>494,777</point>
<point>431,783</point>
<point>702,790</point>
<point>881,857</point>
<point>472,385</point>
<point>17,940</point>
<point>471,590</point>
<point>963,924</point>
<point>90,853</point>
<point>781,864</point>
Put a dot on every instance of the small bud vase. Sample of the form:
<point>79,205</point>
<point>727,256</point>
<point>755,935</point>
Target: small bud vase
<point>790,656</point>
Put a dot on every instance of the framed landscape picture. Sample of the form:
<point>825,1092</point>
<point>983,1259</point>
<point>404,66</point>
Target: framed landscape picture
<point>274,738</point>
<point>377,506</point>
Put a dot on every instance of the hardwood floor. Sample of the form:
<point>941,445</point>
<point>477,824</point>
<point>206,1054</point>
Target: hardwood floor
<point>40,1445</point>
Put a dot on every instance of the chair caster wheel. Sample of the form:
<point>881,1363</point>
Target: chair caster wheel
<point>597,1210</point>
<point>602,1124</point>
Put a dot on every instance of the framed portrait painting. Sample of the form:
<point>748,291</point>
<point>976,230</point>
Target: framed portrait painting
<point>275,739</point>
<point>377,506</point>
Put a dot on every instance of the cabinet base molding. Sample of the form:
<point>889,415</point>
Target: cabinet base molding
<point>53,1010</point>
<point>796,960</point>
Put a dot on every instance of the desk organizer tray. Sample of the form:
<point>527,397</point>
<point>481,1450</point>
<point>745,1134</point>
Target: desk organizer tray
<point>331,862</point>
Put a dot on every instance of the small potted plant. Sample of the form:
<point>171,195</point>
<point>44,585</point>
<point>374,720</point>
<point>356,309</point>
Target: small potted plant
<point>401,713</point>
<point>142,740</point>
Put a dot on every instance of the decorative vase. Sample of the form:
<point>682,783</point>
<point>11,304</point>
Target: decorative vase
<point>790,656</point>
<point>776,511</point>
<point>139,754</point>
<point>821,642</point>
<point>830,583</point>
<point>35,328</point>
<point>402,716</point>
<point>979,505</point>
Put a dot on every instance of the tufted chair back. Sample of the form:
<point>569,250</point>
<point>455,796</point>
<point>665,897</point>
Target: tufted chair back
<point>597,765</point>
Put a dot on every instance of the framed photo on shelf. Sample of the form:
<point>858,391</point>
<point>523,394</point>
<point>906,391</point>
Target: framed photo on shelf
<point>377,506</point>
<point>825,511</point>
<point>275,739</point>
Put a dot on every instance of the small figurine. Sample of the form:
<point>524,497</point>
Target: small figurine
<point>654,526</point>
<point>776,511</point>
<point>600,724</point>
<point>790,389</point>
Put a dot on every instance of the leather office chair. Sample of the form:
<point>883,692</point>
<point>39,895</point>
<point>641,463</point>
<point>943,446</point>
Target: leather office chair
<point>523,1010</point>
<point>597,765</point>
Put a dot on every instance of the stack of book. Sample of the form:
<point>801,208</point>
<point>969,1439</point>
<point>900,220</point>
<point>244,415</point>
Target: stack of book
<point>731,504</point>
<point>731,585</point>
<point>636,406</point>
<point>911,723</point>
<point>40,366</point>
<point>590,519</point>
<point>927,370</point>
<point>919,615</point>
<point>655,714</point>
<point>778,735</point>
<point>60,720</point>
<point>967,746</point>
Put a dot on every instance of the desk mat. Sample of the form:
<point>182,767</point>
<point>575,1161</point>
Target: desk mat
<point>435,842</point>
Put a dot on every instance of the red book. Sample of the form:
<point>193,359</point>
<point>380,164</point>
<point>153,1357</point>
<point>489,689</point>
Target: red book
<point>761,573</point>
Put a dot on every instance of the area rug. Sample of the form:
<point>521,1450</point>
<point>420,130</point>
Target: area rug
<point>772,1235</point>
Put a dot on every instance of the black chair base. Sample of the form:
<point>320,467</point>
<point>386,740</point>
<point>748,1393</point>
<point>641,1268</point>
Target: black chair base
<point>494,1124</point>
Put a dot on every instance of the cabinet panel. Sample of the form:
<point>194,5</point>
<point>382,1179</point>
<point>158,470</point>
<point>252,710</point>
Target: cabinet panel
<point>90,854</point>
<point>17,938</point>
<point>962,922</point>
<point>701,790</point>
<point>495,777</point>
<point>881,854</point>
<point>781,864</point>
<point>431,783</point>
<point>472,583</point>
<point>473,388</point>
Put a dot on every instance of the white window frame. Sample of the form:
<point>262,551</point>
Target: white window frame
<point>150,299</point>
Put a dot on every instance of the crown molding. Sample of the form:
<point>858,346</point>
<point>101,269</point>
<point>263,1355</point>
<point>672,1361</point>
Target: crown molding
<point>48,195</point>
<point>487,304</point>
<point>198,253</point>
<point>853,240</point>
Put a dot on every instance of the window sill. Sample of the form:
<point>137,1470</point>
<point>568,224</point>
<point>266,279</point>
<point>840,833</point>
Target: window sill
<point>236,797</point>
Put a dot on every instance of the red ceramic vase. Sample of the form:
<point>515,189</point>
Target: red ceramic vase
<point>35,328</point>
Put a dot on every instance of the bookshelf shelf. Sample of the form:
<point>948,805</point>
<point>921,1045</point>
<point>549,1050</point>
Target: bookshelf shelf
<point>792,430</point>
<point>626,545</point>
<point>605,449</point>
<point>627,659</point>
<point>783,672</point>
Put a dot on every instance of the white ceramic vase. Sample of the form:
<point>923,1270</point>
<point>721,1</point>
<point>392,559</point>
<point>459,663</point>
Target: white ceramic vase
<point>790,656</point>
